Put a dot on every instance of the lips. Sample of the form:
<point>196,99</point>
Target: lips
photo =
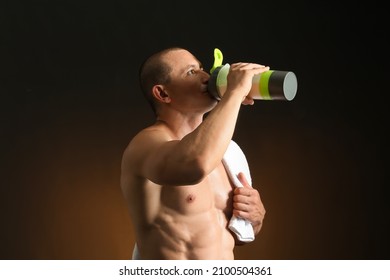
<point>204,88</point>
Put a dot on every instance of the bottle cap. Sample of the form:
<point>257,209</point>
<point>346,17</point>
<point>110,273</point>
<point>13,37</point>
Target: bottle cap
<point>280,85</point>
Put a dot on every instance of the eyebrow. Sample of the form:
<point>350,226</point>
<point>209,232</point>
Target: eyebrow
<point>200,65</point>
<point>192,65</point>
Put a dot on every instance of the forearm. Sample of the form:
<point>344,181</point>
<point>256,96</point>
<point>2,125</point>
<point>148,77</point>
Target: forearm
<point>189,160</point>
<point>211,139</point>
<point>213,136</point>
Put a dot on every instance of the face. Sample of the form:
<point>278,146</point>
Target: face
<point>188,85</point>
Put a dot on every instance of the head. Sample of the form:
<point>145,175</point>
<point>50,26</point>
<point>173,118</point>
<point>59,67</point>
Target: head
<point>173,76</point>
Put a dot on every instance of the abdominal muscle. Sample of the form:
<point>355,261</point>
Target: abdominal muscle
<point>196,238</point>
<point>190,222</point>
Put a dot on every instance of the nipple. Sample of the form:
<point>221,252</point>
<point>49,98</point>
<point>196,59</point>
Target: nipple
<point>190,198</point>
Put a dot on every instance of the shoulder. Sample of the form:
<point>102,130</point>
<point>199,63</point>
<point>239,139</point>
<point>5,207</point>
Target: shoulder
<point>145,141</point>
<point>152,135</point>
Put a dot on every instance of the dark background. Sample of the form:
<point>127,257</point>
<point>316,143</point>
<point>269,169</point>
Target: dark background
<point>70,103</point>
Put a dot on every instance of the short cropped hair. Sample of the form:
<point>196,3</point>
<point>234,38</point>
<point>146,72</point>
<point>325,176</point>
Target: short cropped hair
<point>153,71</point>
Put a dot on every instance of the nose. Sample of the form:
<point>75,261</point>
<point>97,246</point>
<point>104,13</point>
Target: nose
<point>205,75</point>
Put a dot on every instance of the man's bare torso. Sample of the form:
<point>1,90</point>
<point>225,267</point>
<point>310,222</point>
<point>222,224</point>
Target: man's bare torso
<point>182,222</point>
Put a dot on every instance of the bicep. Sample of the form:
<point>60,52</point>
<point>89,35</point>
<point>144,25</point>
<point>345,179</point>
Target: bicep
<point>161,160</point>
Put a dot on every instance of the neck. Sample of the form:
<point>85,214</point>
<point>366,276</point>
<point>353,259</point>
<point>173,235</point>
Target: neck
<point>179,125</point>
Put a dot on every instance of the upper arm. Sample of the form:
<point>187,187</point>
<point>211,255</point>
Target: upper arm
<point>154,156</point>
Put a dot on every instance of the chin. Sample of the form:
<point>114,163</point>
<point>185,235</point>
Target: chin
<point>212,104</point>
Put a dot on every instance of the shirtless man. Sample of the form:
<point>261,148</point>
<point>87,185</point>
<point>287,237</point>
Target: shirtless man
<point>179,196</point>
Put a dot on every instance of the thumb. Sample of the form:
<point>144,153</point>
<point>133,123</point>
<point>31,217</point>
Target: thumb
<point>241,177</point>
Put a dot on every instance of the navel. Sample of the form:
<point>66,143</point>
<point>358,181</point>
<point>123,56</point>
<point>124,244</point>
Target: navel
<point>190,198</point>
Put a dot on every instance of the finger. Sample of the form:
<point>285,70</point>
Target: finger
<point>245,191</point>
<point>243,180</point>
<point>240,206</point>
<point>245,198</point>
<point>247,65</point>
<point>241,214</point>
<point>248,101</point>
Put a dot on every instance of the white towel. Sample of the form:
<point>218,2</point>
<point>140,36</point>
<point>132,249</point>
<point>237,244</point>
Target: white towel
<point>235,162</point>
<point>135,255</point>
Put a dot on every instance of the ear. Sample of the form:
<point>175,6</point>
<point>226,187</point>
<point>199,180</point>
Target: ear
<point>160,94</point>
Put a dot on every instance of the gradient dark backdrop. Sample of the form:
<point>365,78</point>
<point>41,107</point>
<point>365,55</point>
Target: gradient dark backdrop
<point>70,103</point>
